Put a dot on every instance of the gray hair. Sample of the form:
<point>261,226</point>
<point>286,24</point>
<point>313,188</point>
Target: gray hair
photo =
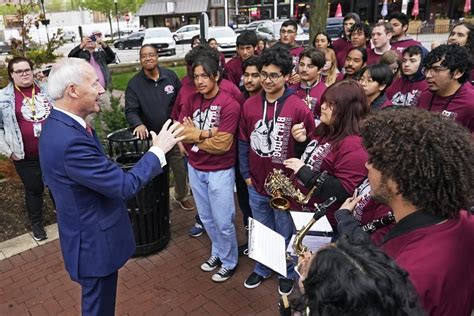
<point>66,72</point>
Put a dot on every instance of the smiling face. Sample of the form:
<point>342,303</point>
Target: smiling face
<point>272,80</point>
<point>22,74</point>
<point>459,35</point>
<point>148,58</point>
<point>89,91</point>
<point>358,38</point>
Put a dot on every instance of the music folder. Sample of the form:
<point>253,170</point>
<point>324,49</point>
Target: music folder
<point>267,247</point>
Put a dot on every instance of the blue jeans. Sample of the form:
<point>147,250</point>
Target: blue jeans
<point>214,196</point>
<point>279,221</point>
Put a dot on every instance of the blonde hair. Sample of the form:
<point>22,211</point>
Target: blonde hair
<point>332,72</point>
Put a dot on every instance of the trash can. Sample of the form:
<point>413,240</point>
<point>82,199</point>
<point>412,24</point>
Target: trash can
<point>149,209</point>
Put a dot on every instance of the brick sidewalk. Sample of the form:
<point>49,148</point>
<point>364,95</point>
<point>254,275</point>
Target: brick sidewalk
<point>167,283</point>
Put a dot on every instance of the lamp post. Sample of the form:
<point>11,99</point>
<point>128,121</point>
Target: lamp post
<point>117,17</point>
<point>44,21</point>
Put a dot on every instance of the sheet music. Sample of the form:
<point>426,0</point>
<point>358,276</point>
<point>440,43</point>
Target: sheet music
<point>300,219</point>
<point>267,247</point>
<point>314,243</point>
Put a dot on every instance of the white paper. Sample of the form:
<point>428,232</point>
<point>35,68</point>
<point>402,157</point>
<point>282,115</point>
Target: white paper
<point>314,243</point>
<point>300,219</point>
<point>267,247</point>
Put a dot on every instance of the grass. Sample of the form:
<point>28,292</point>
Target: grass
<point>120,80</point>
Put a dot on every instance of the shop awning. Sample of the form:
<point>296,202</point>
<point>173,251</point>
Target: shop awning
<point>167,7</point>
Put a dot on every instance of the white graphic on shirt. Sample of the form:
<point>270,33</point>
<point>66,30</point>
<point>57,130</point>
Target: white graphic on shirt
<point>208,118</point>
<point>169,89</point>
<point>314,154</point>
<point>40,108</point>
<point>449,114</point>
<point>271,140</point>
<point>363,190</point>
<point>407,99</point>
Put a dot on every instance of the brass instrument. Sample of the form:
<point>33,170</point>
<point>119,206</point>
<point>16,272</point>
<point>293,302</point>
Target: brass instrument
<point>321,210</point>
<point>278,185</point>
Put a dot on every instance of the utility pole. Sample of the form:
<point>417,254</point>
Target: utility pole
<point>117,17</point>
<point>318,15</point>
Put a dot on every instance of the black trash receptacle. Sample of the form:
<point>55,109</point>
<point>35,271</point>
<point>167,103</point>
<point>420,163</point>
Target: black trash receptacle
<point>149,209</point>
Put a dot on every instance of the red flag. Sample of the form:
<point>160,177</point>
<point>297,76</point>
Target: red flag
<point>416,9</point>
<point>467,7</point>
<point>338,11</point>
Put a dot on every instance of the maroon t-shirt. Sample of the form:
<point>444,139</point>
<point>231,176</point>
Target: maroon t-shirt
<point>345,161</point>
<point>459,107</point>
<point>405,92</point>
<point>270,140</point>
<point>30,117</point>
<point>311,99</point>
<point>399,46</point>
<point>373,57</point>
<point>233,72</point>
<point>368,210</point>
<point>188,90</point>
<point>341,48</point>
<point>222,112</point>
<point>439,260</point>
<point>295,53</point>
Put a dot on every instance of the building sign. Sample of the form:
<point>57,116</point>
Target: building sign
<point>170,7</point>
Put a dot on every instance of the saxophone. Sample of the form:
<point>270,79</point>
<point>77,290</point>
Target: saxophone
<point>278,185</point>
<point>321,210</point>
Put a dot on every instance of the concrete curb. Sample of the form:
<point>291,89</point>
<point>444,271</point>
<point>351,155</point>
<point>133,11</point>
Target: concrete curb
<point>14,246</point>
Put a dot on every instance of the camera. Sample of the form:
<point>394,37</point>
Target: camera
<point>93,38</point>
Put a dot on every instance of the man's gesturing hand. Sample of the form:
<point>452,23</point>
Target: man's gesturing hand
<point>168,136</point>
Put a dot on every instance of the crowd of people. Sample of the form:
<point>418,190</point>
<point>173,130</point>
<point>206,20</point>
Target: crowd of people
<point>372,118</point>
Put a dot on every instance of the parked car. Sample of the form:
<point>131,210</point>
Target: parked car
<point>134,40</point>
<point>69,36</point>
<point>5,48</point>
<point>162,39</point>
<point>334,27</point>
<point>186,33</point>
<point>225,37</point>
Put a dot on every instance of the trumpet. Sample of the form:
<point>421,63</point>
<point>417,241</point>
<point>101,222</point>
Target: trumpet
<point>278,185</point>
<point>321,210</point>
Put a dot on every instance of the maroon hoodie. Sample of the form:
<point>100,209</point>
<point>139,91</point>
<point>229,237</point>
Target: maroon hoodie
<point>399,46</point>
<point>405,92</point>
<point>233,72</point>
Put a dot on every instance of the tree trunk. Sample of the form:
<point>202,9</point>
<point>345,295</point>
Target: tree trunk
<point>318,16</point>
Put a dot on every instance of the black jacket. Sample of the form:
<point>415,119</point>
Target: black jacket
<point>103,57</point>
<point>150,102</point>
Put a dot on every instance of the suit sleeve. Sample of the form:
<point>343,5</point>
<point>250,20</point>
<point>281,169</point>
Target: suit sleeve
<point>89,167</point>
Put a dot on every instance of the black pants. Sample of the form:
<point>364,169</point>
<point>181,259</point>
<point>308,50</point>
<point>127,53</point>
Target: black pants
<point>30,174</point>
<point>242,195</point>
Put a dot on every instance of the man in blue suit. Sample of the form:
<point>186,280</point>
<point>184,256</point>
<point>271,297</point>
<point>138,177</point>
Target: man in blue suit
<point>90,191</point>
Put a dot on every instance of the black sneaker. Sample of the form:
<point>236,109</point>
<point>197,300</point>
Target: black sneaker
<point>254,280</point>
<point>211,264</point>
<point>243,250</point>
<point>223,274</point>
<point>38,232</point>
<point>285,286</point>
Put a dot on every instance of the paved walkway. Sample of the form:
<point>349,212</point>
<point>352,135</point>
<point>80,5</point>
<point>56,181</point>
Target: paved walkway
<point>170,282</point>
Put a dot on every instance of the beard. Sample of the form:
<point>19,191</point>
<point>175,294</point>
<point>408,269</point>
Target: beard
<point>382,194</point>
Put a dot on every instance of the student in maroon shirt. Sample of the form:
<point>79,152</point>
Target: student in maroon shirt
<point>420,165</point>
<point>342,45</point>
<point>311,87</point>
<point>406,89</point>
<point>265,141</point>
<point>360,34</point>
<point>210,118</point>
<point>246,43</point>
<point>462,34</point>
<point>288,31</point>
<point>335,146</point>
<point>400,40</point>
<point>446,69</point>
<point>381,34</point>
<point>375,79</point>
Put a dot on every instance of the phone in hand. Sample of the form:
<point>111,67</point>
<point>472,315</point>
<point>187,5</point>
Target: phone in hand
<point>93,38</point>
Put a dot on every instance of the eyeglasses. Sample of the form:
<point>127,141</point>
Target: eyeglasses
<point>273,76</point>
<point>435,70</point>
<point>151,55</point>
<point>289,32</point>
<point>363,80</point>
<point>22,72</point>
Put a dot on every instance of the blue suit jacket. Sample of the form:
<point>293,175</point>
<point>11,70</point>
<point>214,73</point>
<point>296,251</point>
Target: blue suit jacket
<point>90,193</point>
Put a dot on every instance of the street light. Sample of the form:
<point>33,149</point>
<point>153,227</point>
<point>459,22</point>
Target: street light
<point>44,21</point>
<point>117,16</point>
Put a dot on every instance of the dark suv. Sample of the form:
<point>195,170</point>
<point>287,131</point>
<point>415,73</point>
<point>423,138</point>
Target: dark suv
<point>134,40</point>
<point>334,27</point>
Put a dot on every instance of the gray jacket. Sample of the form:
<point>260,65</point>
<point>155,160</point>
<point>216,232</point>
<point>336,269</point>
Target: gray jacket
<point>10,135</point>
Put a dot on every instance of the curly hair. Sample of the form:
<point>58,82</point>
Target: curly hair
<point>428,156</point>
<point>470,36</point>
<point>278,55</point>
<point>356,279</point>
<point>453,57</point>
